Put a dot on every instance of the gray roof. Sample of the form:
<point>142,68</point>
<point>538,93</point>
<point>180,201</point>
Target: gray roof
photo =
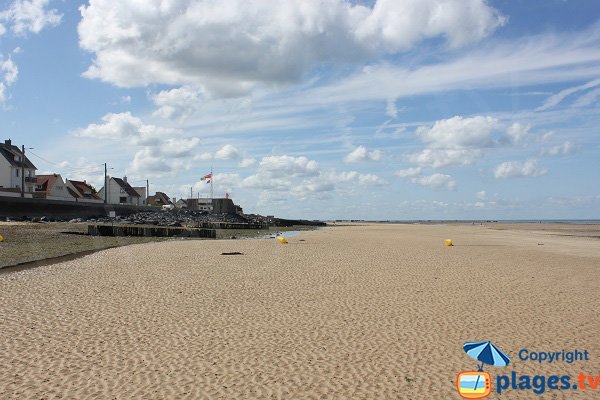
<point>9,152</point>
<point>127,187</point>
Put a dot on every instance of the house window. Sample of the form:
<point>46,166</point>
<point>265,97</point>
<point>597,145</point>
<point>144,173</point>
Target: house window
<point>17,173</point>
<point>122,199</point>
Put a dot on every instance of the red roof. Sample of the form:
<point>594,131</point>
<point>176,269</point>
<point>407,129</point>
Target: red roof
<point>45,182</point>
<point>85,190</point>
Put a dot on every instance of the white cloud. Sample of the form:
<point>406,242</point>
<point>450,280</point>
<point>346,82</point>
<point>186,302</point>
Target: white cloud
<point>30,16</point>
<point>458,132</point>
<point>438,158</point>
<point>371,180</point>
<point>124,126</point>
<point>561,149</point>
<point>517,132</point>
<point>288,166</point>
<point>206,156</point>
<point>3,95</point>
<point>588,98</point>
<point>228,47</point>
<point>391,110</point>
<point>408,172</point>
<point>512,169</point>
<point>164,149</point>
<point>227,152</point>
<point>361,154</point>
<point>436,181</point>
<point>176,104</point>
<point>10,70</point>
<point>482,195</point>
<point>247,162</point>
<point>557,98</point>
<point>533,59</point>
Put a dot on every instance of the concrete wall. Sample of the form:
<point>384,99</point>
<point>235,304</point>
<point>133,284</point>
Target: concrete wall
<point>222,206</point>
<point>19,207</point>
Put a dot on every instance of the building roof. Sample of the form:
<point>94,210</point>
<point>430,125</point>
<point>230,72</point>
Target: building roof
<point>9,151</point>
<point>84,190</point>
<point>45,183</point>
<point>127,187</point>
<point>159,197</point>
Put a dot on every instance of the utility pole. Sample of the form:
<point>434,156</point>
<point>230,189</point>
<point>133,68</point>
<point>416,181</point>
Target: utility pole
<point>23,171</point>
<point>191,193</point>
<point>105,185</point>
<point>147,191</point>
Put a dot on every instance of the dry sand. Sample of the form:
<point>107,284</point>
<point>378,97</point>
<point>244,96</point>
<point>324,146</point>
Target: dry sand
<point>354,312</point>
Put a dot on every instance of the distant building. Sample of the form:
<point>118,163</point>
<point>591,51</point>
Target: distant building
<point>83,192</point>
<point>141,190</point>
<point>201,204</point>
<point>159,199</point>
<point>12,164</point>
<point>52,187</point>
<point>120,192</point>
<point>181,203</point>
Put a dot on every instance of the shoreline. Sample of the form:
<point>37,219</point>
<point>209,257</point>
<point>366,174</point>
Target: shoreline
<point>124,241</point>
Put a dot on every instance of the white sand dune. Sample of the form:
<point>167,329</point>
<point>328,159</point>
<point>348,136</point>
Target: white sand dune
<point>355,312</point>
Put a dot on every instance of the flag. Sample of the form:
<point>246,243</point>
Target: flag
<point>207,178</point>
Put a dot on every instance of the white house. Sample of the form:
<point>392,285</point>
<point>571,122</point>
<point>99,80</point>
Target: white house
<point>12,165</point>
<point>121,192</point>
<point>52,187</point>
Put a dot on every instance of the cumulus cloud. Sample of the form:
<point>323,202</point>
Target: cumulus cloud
<point>436,181</point>
<point>361,154</point>
<point>228,47</point>
<point>482,195</point>
<point>176,104</point>
<point>517,132</point>
<point>8,75</point>
<point>227,152</point>
<point>10,70</point>
<point>513,169</point>
<point>561,149</point>
<point>164,149</point>
<point>408,172</point>
<point>124,126</point>
<point>30,16</point>
<point>247,162</point>
<point>438,158</point>
<point>458,132</point>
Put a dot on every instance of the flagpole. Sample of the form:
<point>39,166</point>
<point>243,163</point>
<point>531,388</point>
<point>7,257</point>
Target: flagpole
<point>212,177</point>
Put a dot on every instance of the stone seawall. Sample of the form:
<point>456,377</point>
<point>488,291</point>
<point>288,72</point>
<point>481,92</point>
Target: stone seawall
<point>149,231</point>
<point>20,207</point>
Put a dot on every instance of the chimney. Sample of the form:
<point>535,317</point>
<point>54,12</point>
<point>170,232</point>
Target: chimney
<point>125,179</point>
<point>8,142</point>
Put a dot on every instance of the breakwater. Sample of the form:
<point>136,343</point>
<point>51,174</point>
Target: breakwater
<point>150,231</point>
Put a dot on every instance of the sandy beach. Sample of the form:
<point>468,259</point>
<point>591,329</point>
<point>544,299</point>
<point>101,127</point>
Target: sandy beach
<point>346,312</point>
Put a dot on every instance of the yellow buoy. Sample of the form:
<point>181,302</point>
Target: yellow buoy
<point>282,240</point>
<point>448,242</point>
<point>1,238</point>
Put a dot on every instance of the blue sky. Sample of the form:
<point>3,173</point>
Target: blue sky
<point>386,109</point>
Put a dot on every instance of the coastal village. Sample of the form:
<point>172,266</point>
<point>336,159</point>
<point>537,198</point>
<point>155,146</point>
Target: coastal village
<point>18,178</point>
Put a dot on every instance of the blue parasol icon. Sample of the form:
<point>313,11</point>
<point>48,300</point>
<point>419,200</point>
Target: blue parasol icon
<point>487,353</point>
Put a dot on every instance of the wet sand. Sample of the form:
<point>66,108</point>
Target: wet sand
<point>352,312</point>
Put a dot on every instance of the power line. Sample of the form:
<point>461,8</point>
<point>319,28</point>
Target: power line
<point>64,167</point>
